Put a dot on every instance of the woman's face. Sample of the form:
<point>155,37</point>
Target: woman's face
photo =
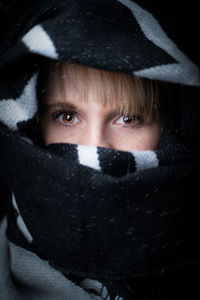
<point>74,121</point>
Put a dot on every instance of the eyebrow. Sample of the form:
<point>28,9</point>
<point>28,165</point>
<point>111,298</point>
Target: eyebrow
<point>60,105</point>
<point>67,106</point>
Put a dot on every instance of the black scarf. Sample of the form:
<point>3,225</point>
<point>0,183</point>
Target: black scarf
<point>93,212</point>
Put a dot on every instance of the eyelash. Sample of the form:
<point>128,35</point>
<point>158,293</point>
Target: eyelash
<point>138,118</point>
<point>55,115</point>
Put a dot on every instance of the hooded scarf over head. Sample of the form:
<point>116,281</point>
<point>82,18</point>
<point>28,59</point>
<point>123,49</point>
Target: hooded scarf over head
<point>83,222</point>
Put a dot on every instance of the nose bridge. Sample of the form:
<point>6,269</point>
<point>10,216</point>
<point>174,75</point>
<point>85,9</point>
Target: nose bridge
<point>97,135</point>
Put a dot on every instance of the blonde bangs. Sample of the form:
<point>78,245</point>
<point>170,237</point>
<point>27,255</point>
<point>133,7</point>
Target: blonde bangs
<point>130,94</point>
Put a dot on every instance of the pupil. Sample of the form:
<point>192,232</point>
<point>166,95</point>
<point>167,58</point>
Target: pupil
<point>128,119</point>
<point>68,117</point>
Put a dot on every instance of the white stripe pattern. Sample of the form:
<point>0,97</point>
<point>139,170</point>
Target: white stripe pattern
<point>88,156</point>
<point>38,41</point>
<point>21,109</point>
<point>20,222</point>
<point>185,71</point>
<point>145,159</point>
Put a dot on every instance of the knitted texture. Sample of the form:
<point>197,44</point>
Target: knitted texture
<point>101,215</point>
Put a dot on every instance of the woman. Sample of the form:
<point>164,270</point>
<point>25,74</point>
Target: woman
<point>99,147</point>
<point>97,107</point>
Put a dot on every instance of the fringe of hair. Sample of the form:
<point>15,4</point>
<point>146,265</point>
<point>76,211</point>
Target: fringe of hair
<point>132,95</point>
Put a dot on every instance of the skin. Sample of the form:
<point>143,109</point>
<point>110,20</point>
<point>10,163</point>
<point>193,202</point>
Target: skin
<point>92,123</point>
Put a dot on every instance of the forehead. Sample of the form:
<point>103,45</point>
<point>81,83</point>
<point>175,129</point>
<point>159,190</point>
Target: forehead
<point>71,98</point>
<point>68,81</point>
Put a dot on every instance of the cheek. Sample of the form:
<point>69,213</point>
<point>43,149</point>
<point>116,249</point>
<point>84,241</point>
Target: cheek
<point>50,135</point>
<point>149,138</point>
<point>56,134</point>
<point>140,139</point>
<point>53,135</point>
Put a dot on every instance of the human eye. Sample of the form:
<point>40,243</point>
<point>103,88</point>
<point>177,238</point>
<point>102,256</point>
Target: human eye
<point>129,121</point>
<point>65,117</point>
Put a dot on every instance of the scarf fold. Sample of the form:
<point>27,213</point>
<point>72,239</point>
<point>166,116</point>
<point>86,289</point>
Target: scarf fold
<point>132,223</point>
<point>95,213</point>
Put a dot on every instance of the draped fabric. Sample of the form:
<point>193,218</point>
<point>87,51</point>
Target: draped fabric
<point>100,217</point>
